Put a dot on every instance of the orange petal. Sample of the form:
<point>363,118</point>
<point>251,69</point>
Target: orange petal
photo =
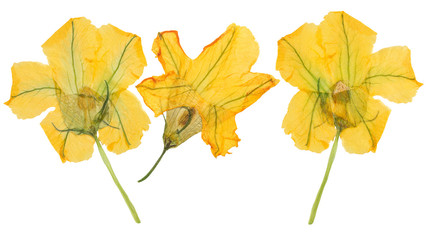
<point>217,84</point>
<point>170,54</point>
<point>234,52</point>
<point>167,92</point>
<point>236,94</point>
<point>219,130</point>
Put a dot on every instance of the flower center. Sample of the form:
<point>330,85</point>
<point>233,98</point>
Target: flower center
<point>341,98</point>
<point>86,99</point>
<point>84,111</point>
<point>341,93</point>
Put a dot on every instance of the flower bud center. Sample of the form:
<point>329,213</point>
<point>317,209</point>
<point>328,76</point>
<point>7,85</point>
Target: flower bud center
<point>87,100</point>
<point>341,93</point>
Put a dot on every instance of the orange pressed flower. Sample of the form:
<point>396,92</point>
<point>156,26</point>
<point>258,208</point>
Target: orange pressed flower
<point>333,66</point>
<point>86,81</point>
<point>205,94</point>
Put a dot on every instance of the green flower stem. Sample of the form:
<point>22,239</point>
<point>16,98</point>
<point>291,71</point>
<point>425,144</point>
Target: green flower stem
<point>325,179</point>
<point>124,195</point>
<point>154,166</point>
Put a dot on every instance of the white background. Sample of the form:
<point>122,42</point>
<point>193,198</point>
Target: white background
<point>265,188</point>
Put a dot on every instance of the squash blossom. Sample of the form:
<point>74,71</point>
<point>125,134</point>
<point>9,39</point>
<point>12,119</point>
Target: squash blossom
<point>86,82</point>
<point>205,94</point>
<point>333,66</point>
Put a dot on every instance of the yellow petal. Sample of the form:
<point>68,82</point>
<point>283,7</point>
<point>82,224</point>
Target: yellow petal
<point>308,122</point>
<point>167,92</point>
<point>71,52</point>
<point>236,94</point>
<point>219,130</point>
<point>170,54</point>
<point>300,60</point>
<point>33,89</point>
<point>365,136</point>
<point>234,52</point>
<point>126,126</point>
<point>70,145</point>
<point>121,59</point>
<point>348,45</point>
<point>239,91</point>
<point>391,75</point>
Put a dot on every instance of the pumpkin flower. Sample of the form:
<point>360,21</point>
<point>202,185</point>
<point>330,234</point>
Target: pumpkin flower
<point>86,80</point>
<point>333,66</point>
<point>205,94</point>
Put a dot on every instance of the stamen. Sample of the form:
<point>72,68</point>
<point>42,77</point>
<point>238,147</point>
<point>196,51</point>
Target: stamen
<point>340,87</point>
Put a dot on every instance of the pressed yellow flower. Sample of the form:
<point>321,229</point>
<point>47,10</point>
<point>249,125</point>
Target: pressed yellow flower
<point>86,81</point>
<point>333,66</point>
<point>205,94</point>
